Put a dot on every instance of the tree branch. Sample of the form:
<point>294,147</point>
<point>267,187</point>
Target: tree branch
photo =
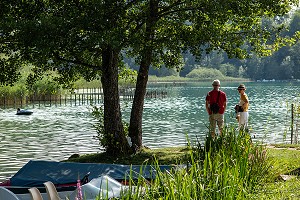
<point>76,61</point>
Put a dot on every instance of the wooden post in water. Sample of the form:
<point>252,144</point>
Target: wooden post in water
<point>33,100</point>
<point>88,96</point>
<point>98,95</point>
<point>79,101</point>
<point>82,97</point>
<point>91,96</point>
<point>94,96</point>
<point>292,124</point>
<point>71,99</point>
<point>65,99</point>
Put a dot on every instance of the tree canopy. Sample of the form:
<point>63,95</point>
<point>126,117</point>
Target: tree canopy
<point>79,38</point>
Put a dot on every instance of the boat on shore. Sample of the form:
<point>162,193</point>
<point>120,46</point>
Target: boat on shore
<point>64,175</point>
<point>23,192</point>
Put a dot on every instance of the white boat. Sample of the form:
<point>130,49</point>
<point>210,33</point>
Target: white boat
<point>7,193</point>
<point>103,187</point>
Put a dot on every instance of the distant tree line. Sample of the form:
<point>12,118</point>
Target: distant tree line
<point>283,64</point>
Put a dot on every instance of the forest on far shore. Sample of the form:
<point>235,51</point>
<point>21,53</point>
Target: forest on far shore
<point>283,64</point>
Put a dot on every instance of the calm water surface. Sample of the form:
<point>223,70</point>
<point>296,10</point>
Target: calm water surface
<point>56,132</point>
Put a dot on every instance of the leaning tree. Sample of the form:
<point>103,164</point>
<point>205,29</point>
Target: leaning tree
<point>166,29</point>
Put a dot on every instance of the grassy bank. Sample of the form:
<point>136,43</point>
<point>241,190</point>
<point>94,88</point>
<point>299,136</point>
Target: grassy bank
<point>286,158</point>
<point>230,167</point>
<point>154,79</point>
<point>286,172</point>
<point>184,79</point>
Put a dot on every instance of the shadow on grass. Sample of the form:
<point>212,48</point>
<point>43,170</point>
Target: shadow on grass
<point>163,156</point>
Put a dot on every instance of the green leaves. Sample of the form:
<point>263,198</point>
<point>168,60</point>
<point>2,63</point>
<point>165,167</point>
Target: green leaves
<point>77,31</point>
<point>9,67</point>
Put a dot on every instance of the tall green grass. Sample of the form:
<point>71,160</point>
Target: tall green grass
<point>228,167</point>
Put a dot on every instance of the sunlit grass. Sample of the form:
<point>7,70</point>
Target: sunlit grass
<point>284,160</point>
<point>287,190</point>
<point>229,167</point>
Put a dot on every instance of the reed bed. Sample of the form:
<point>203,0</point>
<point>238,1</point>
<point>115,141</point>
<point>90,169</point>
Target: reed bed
<point>228,167</point>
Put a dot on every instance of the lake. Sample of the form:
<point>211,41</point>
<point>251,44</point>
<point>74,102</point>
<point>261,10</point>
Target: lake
<point>58,131</point>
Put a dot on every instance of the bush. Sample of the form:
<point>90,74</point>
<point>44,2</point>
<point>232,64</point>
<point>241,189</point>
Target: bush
<point>205,73</point>
<point>105,139</point>
<point>229,70</point>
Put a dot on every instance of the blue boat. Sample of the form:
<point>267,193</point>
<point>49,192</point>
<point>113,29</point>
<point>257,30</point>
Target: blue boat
<point>35,173</point>
<point>64,175</point>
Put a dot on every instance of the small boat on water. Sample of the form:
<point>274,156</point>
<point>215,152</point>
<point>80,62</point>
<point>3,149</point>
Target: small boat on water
<point>23,112</point>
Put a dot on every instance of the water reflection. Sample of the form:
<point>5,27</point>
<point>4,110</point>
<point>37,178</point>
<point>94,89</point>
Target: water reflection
<point>55,133</point>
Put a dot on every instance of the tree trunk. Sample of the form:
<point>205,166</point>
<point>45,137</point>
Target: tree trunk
<point>135,126</point>
<point>113,126</point>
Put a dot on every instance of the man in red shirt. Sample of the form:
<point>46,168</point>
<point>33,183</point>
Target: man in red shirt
<point>216,102</point>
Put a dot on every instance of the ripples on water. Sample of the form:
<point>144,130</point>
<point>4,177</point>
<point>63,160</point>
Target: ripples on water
<point>55,133</point>
<point>168,121</point>
<point>50,133</point>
